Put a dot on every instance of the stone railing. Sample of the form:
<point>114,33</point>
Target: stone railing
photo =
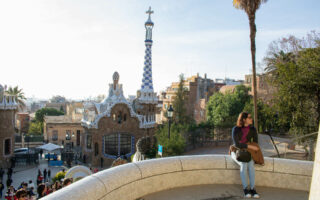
<point>8,102</point>
<point>134,180</point>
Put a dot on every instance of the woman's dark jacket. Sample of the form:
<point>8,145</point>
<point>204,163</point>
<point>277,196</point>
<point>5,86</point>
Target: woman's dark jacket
<point>237,133</point>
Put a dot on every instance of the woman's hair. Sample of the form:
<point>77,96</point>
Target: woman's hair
<point>41,188</point>
<point>242,116</point>
<point>20,193</point>
<point>66,181</point>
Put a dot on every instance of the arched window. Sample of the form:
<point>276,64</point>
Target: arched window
<point>125,117</point>
<point>118,144</point>
<point>7,146</point>
<point>89,141</point>
<point>96,149</point>
<point>119,118</point>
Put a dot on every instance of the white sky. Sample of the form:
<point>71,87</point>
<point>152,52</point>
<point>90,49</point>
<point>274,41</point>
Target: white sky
<point>72,47</point>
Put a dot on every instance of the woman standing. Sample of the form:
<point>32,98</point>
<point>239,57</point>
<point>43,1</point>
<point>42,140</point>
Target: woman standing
<point>242,134</point>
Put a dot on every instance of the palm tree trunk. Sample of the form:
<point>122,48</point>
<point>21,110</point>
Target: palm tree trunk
<point>253,31</point>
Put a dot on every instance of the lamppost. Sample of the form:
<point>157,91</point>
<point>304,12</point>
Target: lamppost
<point>170,114</point>
<point>68,151</point>
<point>28,137</point>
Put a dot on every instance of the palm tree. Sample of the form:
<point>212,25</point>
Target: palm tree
<point>250,7</point>
<point>18,95</point>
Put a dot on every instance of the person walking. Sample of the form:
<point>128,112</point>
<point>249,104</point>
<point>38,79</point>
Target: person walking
<point>242,134</point>
<point>39,179</point>
<point>9,172</point>
<point>9,182</point>
<point>49,174</point>
<point>1,188</point>
<point>1,174</point>
<point>45,175</point>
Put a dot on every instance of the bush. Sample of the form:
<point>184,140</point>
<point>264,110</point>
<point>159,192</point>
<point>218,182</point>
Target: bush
<point>176,144</point>
<point>60,175</point>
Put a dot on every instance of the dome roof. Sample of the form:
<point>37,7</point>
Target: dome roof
<point>115,76</point>
<point>149,22</point>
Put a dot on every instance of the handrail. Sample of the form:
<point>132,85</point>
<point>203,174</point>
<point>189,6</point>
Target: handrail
<point>310,134</point>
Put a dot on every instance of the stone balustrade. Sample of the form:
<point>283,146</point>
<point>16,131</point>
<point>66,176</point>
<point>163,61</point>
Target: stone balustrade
<point>8,102</point>
<point>134,180</point>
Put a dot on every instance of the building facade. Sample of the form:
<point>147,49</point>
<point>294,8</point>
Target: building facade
<point>265,90</point>
<point>198,92</point>
<point>8,107</point>
<point>66,130</point>
<point>113,126</point>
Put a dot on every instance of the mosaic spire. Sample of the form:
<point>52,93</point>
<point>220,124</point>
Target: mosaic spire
<point>147,85</point>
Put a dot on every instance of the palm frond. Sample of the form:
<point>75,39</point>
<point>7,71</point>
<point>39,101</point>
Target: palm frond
<point>236,3</point>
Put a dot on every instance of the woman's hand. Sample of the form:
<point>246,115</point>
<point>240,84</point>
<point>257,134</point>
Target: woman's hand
<point>253,147</point>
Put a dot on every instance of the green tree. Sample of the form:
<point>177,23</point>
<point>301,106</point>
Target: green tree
<point>223,109</point>
<point>295,68</point>
<point>267,115</point>
<point>35,128</point>
<point>61,109</point>
<point>179,103</point>
<point>18,95</point>
<point>39,116</point>
<point>251,7</point>
<point>176,144</point>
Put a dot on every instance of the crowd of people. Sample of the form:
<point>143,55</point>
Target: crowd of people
<point>26,190</point>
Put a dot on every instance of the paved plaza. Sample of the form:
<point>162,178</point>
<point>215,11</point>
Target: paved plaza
<point>26,173</point>
<point>225,192</point>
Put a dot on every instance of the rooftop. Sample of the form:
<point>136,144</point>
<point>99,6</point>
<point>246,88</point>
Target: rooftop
<point>62,119</point>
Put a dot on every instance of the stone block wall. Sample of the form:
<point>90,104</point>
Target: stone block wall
<point>134,180</point>
<point>7,130</point>
<point>315,186</point>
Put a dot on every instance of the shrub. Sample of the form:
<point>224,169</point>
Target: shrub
<point>176,144</point>
<point>60,175</point>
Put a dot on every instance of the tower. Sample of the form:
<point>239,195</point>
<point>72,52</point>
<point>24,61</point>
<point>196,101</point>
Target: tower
<point>146,96</point>
<point>8,107</point>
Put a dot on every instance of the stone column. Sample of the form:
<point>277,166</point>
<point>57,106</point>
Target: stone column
<point>315,183</point>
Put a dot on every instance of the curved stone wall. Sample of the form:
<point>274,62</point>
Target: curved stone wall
<point>134,180</point>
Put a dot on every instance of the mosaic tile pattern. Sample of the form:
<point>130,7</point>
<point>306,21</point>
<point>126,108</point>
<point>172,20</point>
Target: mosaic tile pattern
<point>147,84</point>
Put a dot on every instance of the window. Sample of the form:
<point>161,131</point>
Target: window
<point>89,141</point>
<point>114,117</point>
<point>68,135</point>
<point>79,110</point>
<point>124,117</point>
<point>78,137</point>
<point>119,118</point>
<point>125,144</point>
<point>7,146</point>
<point>54,135</point>
<point>117,144</point>
<point>111,144</point>
<point>96,149</point>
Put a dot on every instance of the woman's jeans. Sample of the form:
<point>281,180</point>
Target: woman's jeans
<point>244,167</point>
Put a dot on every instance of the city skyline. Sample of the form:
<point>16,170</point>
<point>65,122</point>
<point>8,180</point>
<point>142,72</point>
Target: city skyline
<point>72,48</point>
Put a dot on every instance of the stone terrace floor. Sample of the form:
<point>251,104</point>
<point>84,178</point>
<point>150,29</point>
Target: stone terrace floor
<point>225,192</point>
